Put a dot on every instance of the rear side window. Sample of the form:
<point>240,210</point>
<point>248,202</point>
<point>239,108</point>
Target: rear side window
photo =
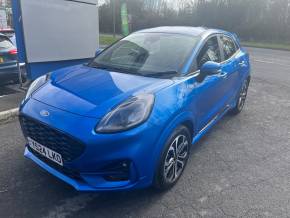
<point>5,43</point>
<point>228,46</point>
<point>209,52</point>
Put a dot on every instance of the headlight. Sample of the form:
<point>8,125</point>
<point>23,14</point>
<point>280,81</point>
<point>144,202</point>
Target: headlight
<point>36,84</point>
<point>127,115</point>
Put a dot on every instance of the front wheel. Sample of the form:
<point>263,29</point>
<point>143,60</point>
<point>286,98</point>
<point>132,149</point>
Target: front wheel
<point>241,98</point>
<point>174,159</point>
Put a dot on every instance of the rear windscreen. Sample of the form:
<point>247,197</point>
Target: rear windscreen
<point>5,43</point>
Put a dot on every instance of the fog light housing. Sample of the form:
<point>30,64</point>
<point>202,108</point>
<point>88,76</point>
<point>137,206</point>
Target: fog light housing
<point>117,171</point>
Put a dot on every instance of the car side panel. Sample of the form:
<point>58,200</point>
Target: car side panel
<point>243,70</point>
<point>232,78</point>
<point>209,97</point>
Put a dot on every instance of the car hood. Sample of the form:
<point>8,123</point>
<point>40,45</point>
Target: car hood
<point>93,92</point>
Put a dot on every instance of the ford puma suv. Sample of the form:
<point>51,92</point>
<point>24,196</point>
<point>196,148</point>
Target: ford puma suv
<point>127,119</point>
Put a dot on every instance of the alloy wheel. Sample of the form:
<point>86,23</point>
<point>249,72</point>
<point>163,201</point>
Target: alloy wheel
<point>243,96</point>
<point>176,158</point>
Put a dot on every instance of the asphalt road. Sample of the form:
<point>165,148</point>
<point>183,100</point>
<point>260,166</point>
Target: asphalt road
<point>10,97</point>
<point>240,169</point>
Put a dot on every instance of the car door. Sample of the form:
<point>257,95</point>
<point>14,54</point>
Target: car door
<point>230,66</point>
<point>209,93</point>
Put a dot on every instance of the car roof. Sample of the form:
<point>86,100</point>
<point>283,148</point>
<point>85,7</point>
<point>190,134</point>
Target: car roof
<point>184,30</point>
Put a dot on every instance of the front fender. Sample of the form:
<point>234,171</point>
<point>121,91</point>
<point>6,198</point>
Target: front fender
<point>173,123</point>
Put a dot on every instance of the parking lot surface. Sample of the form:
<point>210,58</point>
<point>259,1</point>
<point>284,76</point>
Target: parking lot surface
<point>10,97</point>
<point>241,168</point>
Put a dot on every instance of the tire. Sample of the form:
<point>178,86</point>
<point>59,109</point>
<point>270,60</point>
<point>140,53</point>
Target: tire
<point>24,79</point>
<point>171,166</point>
<point>241,99</point>
<point>16,81</point>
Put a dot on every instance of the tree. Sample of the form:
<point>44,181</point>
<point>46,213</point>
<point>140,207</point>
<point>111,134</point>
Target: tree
<point>251,19</point>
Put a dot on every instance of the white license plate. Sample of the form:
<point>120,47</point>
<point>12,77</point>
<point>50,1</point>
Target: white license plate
<point>44,151</point>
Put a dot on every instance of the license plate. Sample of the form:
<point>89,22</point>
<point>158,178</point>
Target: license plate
<point>44,151</point>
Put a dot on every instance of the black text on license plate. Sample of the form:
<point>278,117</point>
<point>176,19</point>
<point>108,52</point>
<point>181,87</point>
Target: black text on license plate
<point>44,151</point>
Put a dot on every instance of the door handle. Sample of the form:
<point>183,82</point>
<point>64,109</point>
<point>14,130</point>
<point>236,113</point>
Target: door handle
<point>243,64</point>
<point>223,74</point>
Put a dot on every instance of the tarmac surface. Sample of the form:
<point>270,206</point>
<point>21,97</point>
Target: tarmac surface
<point>10,97</point>
<point>239,169</point>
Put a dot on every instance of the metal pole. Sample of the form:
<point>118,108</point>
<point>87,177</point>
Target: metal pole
<point>114,17</point>
<point>19,73</point>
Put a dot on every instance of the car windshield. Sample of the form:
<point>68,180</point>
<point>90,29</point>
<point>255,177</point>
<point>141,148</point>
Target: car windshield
<point>147,54</point>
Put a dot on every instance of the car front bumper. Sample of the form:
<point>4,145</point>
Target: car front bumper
<point>81,185</point>
<point>99,167</point>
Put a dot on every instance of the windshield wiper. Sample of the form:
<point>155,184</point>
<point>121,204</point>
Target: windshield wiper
<point>127,71</point>
<point>111,68</point>
<point>99,66</point>
<point>104,67</point>
<point>162,74</point>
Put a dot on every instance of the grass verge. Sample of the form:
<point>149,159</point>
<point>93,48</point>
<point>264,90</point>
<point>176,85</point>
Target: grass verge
<point>270,45</point>
<point>108,39</point>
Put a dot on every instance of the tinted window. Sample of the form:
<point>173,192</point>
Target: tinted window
<point>228,46</point>
<point>5,43</point>
<point>210,52</point>
<point>148,53</point>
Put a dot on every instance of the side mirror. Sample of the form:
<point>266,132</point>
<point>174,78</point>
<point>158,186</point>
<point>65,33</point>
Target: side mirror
<point>98,51</point>
<point>210,68</point>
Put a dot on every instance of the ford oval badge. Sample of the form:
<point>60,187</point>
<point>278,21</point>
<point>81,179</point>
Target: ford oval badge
<point>44,113</point>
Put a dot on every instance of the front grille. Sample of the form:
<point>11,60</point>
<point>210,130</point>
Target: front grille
<point>67,146</point>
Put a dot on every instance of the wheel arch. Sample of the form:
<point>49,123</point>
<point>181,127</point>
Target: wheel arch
<point>186,119</point>
<point>190,125</point>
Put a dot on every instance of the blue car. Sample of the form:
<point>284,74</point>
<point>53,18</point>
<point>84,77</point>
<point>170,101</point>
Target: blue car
<point>127,119</point>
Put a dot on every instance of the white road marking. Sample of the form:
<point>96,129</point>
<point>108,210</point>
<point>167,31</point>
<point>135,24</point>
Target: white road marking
<point>2,96</point>
<point>271,62</point>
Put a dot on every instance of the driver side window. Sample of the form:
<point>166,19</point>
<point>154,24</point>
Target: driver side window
<point>209,52</point>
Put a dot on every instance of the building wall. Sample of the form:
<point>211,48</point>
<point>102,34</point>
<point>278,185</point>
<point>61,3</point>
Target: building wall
<point>6,22</point>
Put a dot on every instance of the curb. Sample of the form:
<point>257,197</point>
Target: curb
<point>9,115</point>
